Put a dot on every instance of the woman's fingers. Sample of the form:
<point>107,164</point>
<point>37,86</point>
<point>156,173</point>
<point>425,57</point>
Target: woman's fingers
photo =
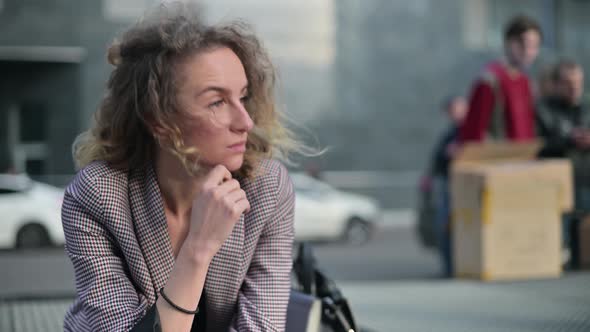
<point>227,187</point>
<point>242,206</point>
<point>218,175</point>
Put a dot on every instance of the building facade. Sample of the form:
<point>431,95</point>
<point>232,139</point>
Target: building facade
<point>53,69</point>
<point>396,60</point>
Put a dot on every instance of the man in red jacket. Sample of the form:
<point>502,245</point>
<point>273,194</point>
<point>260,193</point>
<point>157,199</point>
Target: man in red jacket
<point>501,104</point>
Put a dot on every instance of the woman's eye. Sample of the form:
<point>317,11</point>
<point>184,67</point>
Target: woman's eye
<point>217,103</point>
<point>245,99</point>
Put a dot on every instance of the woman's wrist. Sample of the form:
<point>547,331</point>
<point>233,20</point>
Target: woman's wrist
<point>195,253</point>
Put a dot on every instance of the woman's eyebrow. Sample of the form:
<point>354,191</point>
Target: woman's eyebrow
<point>219,89</point>
<point>212,88</point>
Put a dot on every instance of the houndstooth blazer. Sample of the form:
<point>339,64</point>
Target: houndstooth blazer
<point>117,239</point>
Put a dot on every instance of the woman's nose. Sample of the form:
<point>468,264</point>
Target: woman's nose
<point>242,121</point>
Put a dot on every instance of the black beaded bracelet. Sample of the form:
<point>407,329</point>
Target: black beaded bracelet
<point>188,312</point>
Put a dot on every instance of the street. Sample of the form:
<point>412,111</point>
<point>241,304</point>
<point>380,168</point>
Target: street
<point>392,254</point>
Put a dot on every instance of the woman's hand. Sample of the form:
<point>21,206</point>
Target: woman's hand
<point>215,211</point>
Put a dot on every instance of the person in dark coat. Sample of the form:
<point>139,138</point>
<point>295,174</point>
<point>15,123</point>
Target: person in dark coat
<point>455,108</point>
<point>563,122</point>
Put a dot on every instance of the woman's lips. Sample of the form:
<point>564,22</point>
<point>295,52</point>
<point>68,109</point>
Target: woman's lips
<point>238,147</point>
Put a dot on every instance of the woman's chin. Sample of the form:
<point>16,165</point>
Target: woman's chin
<point>234,164</point>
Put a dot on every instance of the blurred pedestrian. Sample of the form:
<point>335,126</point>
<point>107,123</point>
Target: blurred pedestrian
<point>179,219</point>
<point>502,105</point>
<point>455,108</point>
<point>563,122</point>
<point>545,83</point>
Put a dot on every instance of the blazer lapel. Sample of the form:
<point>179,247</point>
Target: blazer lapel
<point>224,279</point>
<point>151,227</point>
<point>226,269</point>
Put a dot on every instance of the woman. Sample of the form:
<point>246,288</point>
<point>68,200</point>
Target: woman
<point>178,204</point>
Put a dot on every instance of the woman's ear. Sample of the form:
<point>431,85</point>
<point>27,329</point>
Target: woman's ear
<point>158,130</point>
<point>155,128</point>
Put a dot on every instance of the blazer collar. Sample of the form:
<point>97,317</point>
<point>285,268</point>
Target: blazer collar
<point>147,208</point>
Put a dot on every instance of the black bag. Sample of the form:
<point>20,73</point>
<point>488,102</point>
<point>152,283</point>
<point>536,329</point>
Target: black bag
<point>336,315</point>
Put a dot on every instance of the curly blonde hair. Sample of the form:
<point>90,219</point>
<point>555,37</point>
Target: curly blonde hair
<point>142,92</point>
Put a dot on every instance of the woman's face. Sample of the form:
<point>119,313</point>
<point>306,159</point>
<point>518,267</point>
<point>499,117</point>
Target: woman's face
<point>211,95</point>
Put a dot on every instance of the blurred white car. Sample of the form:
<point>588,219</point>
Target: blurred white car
<point>30,213</point>
<point>325,213</point>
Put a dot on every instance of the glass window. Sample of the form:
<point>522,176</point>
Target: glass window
<point>35,167</point>
<point>33,122</point>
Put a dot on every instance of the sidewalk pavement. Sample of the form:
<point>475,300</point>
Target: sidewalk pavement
<point>428,305</point>
<point>462,305</point>
<point>33,315</point>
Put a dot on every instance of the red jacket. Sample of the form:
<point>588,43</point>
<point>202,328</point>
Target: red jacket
<point>501,106</point>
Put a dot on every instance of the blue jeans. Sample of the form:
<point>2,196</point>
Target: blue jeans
<point>581,207</point>
<point>442,223</point>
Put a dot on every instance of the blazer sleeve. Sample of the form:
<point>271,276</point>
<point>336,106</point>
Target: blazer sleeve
<point>264,295</point>
<point>106,298</point>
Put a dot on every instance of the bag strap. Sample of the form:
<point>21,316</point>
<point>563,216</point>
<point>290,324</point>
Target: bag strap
<point>499,116</point>
<point>339,316</point>
<point>304,267</point>
<point>334,302</point>
<point>497,127</point>
<point>315,282</point>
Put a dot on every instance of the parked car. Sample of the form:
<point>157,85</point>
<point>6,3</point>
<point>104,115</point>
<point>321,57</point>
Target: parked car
<point>30,213</point>
<point>325,213</point>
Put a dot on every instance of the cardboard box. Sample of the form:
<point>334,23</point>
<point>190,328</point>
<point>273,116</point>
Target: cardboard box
<point>514,158</point>
<point>584,243</point>
<point>507,212</point>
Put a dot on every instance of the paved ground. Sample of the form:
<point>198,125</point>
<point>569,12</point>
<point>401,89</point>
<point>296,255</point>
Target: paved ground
<point>436,305</point>
<point>393,254</point>
<point>457,306</point>
<point>33,315</point>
